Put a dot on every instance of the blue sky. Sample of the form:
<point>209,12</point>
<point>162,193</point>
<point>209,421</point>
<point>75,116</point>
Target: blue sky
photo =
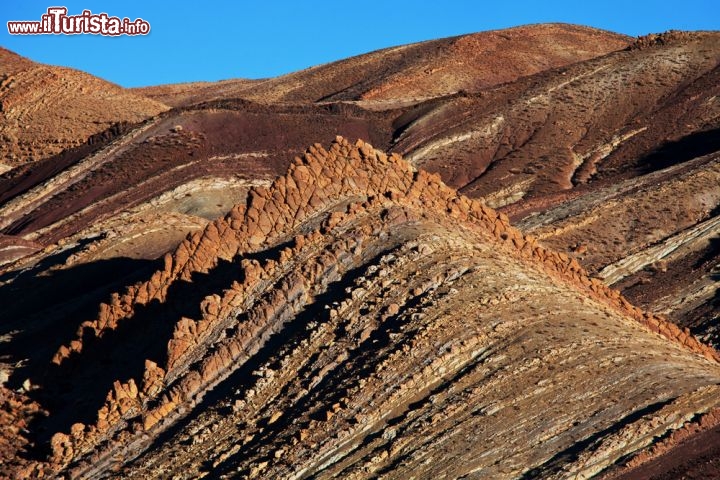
<point>192,41</point>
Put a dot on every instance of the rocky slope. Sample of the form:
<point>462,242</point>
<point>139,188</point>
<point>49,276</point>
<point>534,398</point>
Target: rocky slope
<point>342,313</point>
<point>358,317</point>
<point>45,110</point>
<point>409,74</point>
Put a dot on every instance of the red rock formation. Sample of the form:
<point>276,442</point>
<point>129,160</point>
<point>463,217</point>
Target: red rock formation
<point>357,315</point>
<point>313,185</point>
<point>310,185</point>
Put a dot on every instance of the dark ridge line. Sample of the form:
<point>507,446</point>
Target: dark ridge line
<point>22,178</point>
<point>572,453</point>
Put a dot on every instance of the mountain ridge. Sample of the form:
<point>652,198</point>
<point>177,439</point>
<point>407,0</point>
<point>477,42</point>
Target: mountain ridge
<point>529,49</point>
<point>195,292</point>
<point>296,199</point>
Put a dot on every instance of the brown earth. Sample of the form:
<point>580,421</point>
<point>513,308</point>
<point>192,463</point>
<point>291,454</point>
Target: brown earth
<point>357,317</point>
<point>320,300</point>
<point>45,110</point>
<point>409,74</point>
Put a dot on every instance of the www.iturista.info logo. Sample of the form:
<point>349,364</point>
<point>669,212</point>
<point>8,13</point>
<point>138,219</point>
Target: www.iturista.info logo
<point>57,21</point>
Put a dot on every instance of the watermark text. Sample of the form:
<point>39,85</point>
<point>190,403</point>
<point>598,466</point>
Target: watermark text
<point>57,22</point>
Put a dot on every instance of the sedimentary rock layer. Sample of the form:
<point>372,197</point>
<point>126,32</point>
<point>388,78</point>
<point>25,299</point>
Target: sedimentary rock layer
<point>358,317</point>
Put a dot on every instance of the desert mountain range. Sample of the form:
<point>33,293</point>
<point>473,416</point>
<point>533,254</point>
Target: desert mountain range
<point>489,256</point>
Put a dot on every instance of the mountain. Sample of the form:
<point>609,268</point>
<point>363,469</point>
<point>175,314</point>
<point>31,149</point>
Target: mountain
<point>191,291</point>
<point>33,97</point>
<point>407,74</point>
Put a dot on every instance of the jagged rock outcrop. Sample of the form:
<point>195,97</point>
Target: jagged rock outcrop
<point>304,192</point>
<point>356,317</point>
<point>346,348</point>
<point>659,39</point>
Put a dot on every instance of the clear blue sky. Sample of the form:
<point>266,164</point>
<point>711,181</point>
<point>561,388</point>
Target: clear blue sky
<point>250,39</point>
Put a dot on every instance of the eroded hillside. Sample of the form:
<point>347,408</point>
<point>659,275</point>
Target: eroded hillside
<point>33,97</point>
<point>342,313</point>
<point>358,317</point>
<point>408,74</point>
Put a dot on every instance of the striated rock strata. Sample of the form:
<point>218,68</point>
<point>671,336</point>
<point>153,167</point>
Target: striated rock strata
<point>358,318</point>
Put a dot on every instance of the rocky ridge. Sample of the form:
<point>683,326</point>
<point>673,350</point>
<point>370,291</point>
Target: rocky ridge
<point>323,220</point>
<point>608,157</point>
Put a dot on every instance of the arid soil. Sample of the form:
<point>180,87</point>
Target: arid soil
<point>409,74</point>
<point>188,290</point>
<point>33,97</point>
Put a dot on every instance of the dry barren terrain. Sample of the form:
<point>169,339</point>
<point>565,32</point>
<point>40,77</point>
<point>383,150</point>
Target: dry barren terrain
<point>489,256</point>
